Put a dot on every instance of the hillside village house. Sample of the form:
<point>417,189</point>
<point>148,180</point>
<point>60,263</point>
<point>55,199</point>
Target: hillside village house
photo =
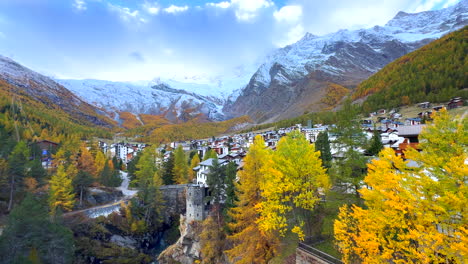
<point>203,169</point>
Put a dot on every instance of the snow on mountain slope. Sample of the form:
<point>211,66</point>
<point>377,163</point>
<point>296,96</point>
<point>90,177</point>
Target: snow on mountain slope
<point>291,79</point>
<point>169,98</point>
<point>172,97</point>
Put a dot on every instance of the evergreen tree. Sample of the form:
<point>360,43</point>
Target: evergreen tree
<point>29,233</point>
<point>217,188</point>
<point>109,176</point>
<point>168,170</point>
<point>323,145</point>
<point>36,170</point>
<point>376,143</point>
<point>350,168</point>
<point>149,180</point>
<point>18,165</point>
<point>230,182</point>
<point>61,195</point>
<point>131,168</point>
<point>180,166</point>
<point>82,180</point>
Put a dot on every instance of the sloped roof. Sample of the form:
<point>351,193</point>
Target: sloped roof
<point>410,130</point>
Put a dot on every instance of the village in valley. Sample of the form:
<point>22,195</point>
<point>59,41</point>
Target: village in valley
<point>395,130</point>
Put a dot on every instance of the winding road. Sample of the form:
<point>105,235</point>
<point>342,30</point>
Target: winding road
<point>107,209</point>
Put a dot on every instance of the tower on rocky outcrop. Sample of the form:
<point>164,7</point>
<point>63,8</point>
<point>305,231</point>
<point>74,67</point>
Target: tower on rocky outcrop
<point>195,199</point>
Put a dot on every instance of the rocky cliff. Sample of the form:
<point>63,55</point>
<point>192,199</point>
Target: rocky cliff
<point>187,249</point>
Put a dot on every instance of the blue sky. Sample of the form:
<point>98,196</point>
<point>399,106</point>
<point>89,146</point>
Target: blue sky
<point>141,39</point>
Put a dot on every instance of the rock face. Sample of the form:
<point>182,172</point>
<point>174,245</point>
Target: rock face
<point>292,79</point>
<point>124,241</point>
<point>98,196</point>
<point>187,249</point>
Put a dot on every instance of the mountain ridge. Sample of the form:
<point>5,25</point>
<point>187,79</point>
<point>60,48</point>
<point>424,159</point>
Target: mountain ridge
<point>296,75</point>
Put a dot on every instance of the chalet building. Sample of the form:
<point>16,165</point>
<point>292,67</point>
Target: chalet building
<point>410,135</point>
<point>413,121</point>
<point>438,108</point>
<point>311,134</point>
<point>47,147</point>
<point>455,103</point>
<point>203,169</point>
<point>424,105</point>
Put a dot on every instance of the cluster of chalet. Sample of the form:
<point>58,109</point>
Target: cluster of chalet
<point>123,151</point>
<point>395,131</point>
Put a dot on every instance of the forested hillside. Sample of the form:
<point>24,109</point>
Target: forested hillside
<point>28,118</point>
<point>435,73</point>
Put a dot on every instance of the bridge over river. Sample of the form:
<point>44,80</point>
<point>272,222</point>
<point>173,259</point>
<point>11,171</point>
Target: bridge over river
<point>173,195</point>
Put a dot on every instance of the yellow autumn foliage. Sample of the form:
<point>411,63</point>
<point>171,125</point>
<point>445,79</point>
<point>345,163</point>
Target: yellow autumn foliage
<point>413,214</point>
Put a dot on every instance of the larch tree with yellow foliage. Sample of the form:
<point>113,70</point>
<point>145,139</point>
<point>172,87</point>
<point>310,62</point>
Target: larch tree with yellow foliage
<point>294,180</point>
<point>180,169</point>
<point>99,162</point>
<point>250,244</point>
<point>193,163</point>
<point>414,214</point>
<point>61,195</point>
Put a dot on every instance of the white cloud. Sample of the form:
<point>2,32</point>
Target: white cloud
<point>427,5</point>
<point>450,2</point>
<point>126,13</point>
<point>80,5</point>
<point>224,4</point>
<point>151,8</point>
<point>293,35</point>
<point>289,13</point>
<point>172,9</point>
<point>246,10</point>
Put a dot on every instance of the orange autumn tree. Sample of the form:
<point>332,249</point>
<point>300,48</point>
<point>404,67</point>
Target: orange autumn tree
<point>86,161</point>
<point>413,214</point>
<point>250,244</point>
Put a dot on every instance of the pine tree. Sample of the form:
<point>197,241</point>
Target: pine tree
<point>349,170</point>
<point>193,163</point>
<point>323,145</point>
<point>18,165</point>
<point>148,181</point>
<point>29,233</point>
<point>250,244</point>
<point>180,166</point>
<point>61,195</point>
<point>230,182</point>
<point>215,182</point>
<point>376,143</point>
<point>168,170</point>
<point>82,180</point>
<point>412,214</point>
